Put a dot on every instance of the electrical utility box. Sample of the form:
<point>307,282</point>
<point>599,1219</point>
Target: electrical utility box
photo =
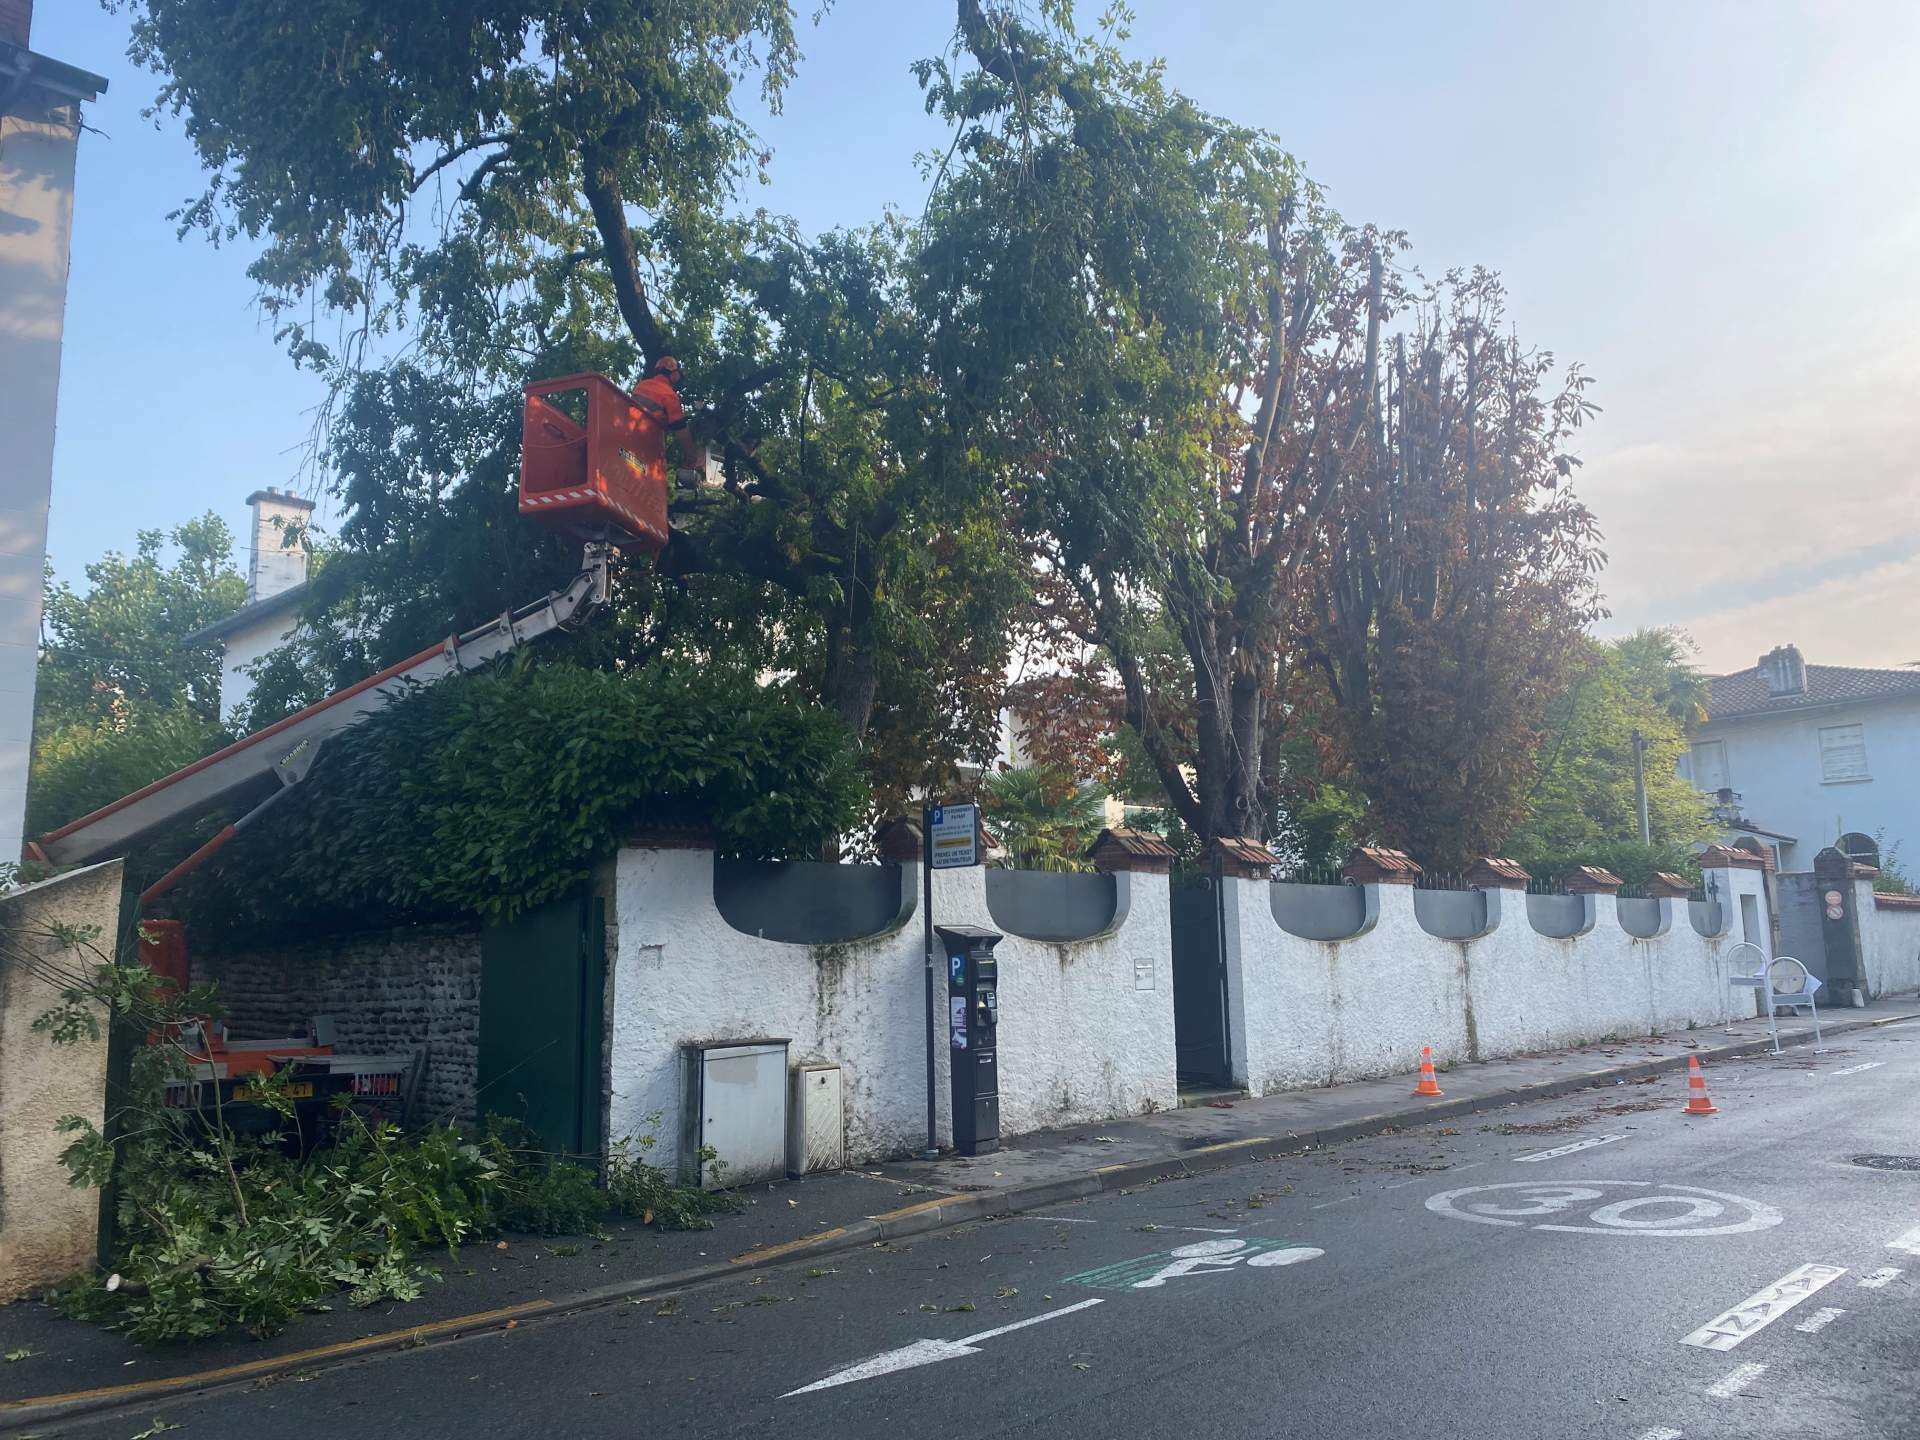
<point>816,1120</point>
<point>737,1106</point>
<point>973,1025</point>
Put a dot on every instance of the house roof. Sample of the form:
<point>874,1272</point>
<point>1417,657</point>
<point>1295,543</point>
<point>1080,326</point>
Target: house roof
<point>248,614</point>
<point>21,67</point>
<point>1745,692</point>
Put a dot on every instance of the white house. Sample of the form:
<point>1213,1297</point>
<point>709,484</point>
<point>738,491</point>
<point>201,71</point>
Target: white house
<point>1806,756</point>
<point>40,102</point>
<point>276,580</point>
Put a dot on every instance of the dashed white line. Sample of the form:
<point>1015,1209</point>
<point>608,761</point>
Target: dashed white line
<point>1663,1433</point>
<point>1909,1242</point>
<point>1341,1201</point>
<point>1819,1320</point>
<point>1736,1380</point>
<point>1886,1275</point>
<point>1856,1069</point>
<point>1589,1143</point>
<point>1759,1310</point>
<point>1056,1219</point>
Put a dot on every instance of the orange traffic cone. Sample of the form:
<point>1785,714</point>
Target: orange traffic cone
<point>1697,1101</point>
<point>1428,1085</point>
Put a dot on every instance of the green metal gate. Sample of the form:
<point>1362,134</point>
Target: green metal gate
<point>542,1008</point>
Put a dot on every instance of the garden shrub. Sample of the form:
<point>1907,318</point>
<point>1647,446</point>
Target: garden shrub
<point>488,794</point>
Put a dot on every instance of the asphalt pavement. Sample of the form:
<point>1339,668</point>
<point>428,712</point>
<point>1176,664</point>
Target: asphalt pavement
<point>1600,1265</point>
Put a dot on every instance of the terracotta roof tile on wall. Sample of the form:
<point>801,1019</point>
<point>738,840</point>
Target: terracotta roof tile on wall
<point>1591,880</point>
<point>1490,872</point>
<point>1120,847</point>
<point>1248,859</point>
<point>1377,865</point>
<point>1664,884</point>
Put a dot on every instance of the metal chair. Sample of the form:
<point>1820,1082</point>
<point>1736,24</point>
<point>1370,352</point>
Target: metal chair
<point>1787,984</point>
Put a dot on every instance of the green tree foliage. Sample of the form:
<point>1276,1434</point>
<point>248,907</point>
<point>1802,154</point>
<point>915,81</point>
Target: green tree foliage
<point>83,765</point>
<point>1584,796</point>
<point>487,794</point>
<point>1044,817</point>
<point>120,644</point>
<point>1209,329</point>
<point>121,697</point>
<point>531,190</point>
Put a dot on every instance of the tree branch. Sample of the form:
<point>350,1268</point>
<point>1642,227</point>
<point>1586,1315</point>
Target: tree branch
<point>601,182</point>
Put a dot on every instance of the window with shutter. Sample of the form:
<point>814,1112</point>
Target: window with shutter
<point>1843,754</point>
<point>1710,765</point>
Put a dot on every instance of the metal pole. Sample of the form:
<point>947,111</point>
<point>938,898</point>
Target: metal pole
<point>1640,786</point>
<point>926,908</point>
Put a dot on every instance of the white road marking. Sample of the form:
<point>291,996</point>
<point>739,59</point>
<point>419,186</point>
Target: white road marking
<point>1497,1205</point>
<point>1761,1309</point>
<point>1341,1201</point>
<point>1856,1069</point>
<point>1589,1143</point>
<point>1735,1380</point>
<point>928,1352</point>
<point>1819,1320</point>
<point>1056,1219</point>
<point>1886,1275</point>
<point>1663,1433</point>
<point>1030,1320</point>
<point>1909,1242</point>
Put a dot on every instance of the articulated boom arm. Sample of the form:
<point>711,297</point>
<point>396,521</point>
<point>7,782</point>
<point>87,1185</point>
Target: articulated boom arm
<point>286,751</point>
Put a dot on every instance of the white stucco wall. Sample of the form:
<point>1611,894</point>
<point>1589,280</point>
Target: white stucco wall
<point>1890,942</point>
<point>1311,1012</point>
<point>37,149</point>
<point>246,645</point>
<point>1079,1041</point>
<point>1773,762</point>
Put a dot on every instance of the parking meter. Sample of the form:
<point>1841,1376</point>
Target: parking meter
<point>973,1022</point>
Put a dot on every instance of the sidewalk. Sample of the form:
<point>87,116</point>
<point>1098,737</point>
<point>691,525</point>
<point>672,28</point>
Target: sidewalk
<point>74,1367</point>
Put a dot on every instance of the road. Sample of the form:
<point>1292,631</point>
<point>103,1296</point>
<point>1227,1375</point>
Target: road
<point>1570,1268</point>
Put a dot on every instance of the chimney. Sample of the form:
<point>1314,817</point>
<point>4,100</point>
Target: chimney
<point>16,21</point>
<point>276,566</point>
<point>1784,671</point>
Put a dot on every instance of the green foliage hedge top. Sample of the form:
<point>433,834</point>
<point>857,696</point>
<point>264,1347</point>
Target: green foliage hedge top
<point>490,793</point>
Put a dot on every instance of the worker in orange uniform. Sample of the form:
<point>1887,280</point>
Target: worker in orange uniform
<point>659,394</point>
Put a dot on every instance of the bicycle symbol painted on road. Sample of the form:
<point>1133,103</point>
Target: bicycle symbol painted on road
<point>1204,1257</point>
<point>1649,1208</point>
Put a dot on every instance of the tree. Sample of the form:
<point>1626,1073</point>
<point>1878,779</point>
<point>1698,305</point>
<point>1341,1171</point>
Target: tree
<point>1584,796</point>
<point>121,642</point>
<point>534,189</point>
<point>1179,341</point>
<point>121,697</point>
<point>1459,577</point>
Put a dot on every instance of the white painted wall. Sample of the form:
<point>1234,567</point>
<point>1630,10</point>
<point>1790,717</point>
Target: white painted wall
<point>247,644</point>
<point>37,148</point>
<point>1079,1041</point>
<point>1773,762</point>
<point>1311,1012</point>
<point>1889,942</point>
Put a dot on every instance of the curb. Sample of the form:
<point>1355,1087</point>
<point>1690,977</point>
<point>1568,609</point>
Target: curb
<point>928,1215</point>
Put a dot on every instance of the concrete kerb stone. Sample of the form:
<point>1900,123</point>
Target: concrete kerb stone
<point>940,1213</point>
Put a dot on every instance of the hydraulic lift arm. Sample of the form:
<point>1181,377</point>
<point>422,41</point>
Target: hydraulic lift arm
<point>286,751</point>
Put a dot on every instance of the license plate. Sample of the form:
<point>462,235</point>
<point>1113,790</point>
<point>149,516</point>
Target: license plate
<point>294,1090</point>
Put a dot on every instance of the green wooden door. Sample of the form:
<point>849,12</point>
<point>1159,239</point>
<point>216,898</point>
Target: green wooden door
<point>542,995</point>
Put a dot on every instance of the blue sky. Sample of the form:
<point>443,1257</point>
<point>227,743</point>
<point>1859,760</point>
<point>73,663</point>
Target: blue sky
<point>1713,206</point>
